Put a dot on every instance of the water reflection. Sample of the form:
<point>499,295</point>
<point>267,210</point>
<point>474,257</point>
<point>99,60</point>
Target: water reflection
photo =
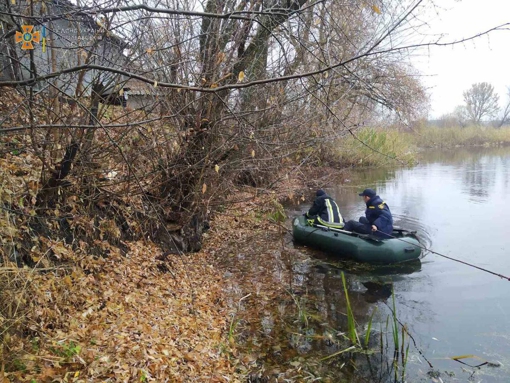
<point>480,168</point>
<point>328,264</point>
<point>318,286</point>
<point>478,178</point>
<point>454,199</point>
<point>377,291</point>
<point>297,308</point>
<point>460,155</point>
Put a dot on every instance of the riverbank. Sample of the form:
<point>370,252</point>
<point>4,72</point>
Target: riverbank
<point>373,147</point>
<point>433,137</point>
<point>248,305</point>
<point>130,312</point>
<point>390,147</point>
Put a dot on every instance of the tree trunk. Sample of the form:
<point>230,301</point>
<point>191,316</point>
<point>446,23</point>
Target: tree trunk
<point>182,190</point>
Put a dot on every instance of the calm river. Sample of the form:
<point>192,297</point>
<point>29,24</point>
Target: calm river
<point>290,304</point>
<point>459,202</point>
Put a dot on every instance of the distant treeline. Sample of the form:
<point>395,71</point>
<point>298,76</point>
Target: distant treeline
<point>452,123</point>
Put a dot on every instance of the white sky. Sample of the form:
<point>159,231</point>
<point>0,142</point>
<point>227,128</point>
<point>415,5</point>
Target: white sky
<point>448,71</point>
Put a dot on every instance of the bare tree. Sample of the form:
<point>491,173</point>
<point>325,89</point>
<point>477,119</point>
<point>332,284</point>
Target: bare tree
<point>481,102</point>
<point>505,118</point>
<point>456,118</point>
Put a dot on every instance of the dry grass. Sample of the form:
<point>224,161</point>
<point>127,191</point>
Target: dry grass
<point>382,147</point>
<point>374,147</point>
<point>457,136</point>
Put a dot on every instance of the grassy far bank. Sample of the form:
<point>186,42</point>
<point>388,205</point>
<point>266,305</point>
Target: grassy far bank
<point>381,147</point>
<point>373,147</point>
<point>434,137</point>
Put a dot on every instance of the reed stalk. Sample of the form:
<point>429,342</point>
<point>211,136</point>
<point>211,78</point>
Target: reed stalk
<point>369,327</point>
<point>302,314</point>
<point>396,339</point>
<point>351,323</point>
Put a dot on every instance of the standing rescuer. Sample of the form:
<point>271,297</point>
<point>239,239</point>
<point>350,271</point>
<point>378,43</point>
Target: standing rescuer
<point>325,211</point>
<point>378,219</point>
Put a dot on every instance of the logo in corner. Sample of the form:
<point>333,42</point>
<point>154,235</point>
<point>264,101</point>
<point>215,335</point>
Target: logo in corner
<point>27,37</point>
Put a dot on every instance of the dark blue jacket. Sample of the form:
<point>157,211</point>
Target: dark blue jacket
<point>326,212</point>
<point>379,214</point>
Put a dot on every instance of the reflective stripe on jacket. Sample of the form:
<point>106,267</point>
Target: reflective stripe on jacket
<point>327,212</point>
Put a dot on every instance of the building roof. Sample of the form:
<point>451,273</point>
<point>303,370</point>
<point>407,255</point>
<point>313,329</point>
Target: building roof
<point>140,88</point>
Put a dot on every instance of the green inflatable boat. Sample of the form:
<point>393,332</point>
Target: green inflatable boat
<point>359,247</point>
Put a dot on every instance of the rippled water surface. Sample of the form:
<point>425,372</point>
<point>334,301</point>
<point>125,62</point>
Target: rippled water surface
<point>460,202</point>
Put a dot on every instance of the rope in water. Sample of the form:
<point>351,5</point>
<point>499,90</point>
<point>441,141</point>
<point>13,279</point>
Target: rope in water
<point>451,258</point>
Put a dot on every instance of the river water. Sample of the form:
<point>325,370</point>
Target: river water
<point>459,202</point>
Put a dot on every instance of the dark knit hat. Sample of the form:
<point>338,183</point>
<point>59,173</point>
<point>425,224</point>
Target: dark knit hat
<point>320,192</point>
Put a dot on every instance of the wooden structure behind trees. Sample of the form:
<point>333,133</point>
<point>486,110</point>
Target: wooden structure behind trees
<point>66,40</point>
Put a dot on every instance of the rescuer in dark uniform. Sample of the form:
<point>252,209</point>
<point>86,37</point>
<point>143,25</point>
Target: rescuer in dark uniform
<point>325,211</point>
<point>378,219</point>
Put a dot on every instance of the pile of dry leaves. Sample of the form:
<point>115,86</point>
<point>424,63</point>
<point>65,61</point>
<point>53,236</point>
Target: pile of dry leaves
<point>119,316</point>
<point>142,317</point>
<point>124,313</point>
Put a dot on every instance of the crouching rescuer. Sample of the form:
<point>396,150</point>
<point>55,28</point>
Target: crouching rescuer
<point>324,211</point>
<point>378,219</point>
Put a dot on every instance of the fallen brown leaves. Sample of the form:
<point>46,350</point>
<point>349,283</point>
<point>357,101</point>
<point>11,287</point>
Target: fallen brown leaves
<point>145,316</point>
<point>121,319</point>
<point>137,316</point>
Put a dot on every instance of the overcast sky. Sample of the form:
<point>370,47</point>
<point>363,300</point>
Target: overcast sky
<point>448,71</point>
